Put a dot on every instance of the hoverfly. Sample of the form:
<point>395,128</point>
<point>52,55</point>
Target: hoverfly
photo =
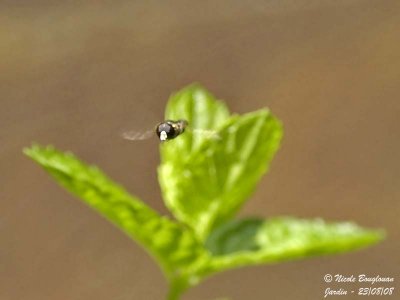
<point>166,130</point>
<point>169,130</point>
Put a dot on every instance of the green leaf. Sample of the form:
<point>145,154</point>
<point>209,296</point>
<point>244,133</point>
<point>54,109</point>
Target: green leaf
<point>254,241</point>
<point>204,185</point>
<point>173,246</point>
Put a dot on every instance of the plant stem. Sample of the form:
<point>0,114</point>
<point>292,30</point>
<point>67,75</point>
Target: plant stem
<point>173,294</point>
<point>176,287</point>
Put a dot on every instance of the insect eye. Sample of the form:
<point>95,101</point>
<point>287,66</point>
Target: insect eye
<point>165,131</point>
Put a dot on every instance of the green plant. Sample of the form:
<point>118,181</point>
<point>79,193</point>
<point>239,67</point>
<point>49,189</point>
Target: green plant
<point>205,180</point>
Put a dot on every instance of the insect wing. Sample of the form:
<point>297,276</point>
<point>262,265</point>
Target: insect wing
<point>210,134</point>
<point>135,135</point>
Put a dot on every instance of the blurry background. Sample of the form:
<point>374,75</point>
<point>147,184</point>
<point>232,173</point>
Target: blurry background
<point>75,75</point>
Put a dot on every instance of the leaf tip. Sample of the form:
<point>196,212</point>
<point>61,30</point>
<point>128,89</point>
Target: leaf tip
<point>377,235</point>
<point>32,150</point>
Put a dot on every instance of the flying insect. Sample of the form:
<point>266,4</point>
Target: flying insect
<point>167,130</point>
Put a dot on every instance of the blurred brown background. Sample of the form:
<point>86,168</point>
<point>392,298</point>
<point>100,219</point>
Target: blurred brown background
<point>75,75</point>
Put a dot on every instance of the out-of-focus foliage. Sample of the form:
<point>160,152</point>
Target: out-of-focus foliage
<point>255,241</point>
<point>206,174</point>
<point>206,177</point>
<point>174,246</point>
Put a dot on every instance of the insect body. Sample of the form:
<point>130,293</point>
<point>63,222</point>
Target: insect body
<point>169,130</point>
